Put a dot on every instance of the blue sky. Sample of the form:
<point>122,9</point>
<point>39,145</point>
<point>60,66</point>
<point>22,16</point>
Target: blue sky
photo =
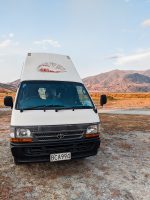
<point>99,35</point>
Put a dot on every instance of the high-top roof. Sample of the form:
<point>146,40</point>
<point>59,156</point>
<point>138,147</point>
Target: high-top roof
<point>46,66</point>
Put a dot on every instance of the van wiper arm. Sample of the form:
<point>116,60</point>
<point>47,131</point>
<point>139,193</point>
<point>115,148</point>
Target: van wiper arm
<point>75,107</point>
<point>42,106</point>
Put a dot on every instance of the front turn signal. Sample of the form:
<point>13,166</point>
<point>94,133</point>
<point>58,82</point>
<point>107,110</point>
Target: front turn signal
<point>20,139</point>
<point>92,135</point>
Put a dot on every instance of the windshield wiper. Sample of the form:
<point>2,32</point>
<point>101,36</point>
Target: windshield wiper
<point>42,106</point>
<point>75,107</point>
<point>78,107</point>
<point>58,107</point>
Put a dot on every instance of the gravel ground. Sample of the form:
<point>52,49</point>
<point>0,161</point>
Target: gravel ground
<point>126,111</point>
<point>120,171</point>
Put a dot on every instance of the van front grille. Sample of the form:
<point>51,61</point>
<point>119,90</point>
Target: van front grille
<point>58,133</point>
<point>55,136</point>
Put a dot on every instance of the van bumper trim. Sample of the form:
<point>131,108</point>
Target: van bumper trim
<point>40,152</point>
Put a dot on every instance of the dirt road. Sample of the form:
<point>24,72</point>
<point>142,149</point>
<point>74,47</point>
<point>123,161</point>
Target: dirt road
<point>120,171</point>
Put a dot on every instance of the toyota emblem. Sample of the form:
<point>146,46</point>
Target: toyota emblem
<point>60,136</point>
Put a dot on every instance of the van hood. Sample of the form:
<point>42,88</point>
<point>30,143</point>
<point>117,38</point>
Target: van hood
<point>51,117</point>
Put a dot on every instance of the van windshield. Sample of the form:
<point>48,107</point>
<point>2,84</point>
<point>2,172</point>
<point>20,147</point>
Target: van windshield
<point>51,95</point>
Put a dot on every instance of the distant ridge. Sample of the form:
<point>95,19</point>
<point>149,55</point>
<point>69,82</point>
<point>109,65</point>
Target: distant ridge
<point>15,83</point>
<point>112,81</point>
<point>6,87</point>
<point>119,81</point>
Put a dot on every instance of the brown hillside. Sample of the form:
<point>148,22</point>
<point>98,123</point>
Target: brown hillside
<point>119,81</point>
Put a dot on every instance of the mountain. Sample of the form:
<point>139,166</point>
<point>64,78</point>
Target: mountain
<point>138,78</point>
<point>112,81</point>
<point>119,81</point>
<point>6,87</point>
<point>146,73</point>
<point>15,83</point>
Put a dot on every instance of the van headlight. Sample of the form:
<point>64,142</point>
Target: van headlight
<point>23,133</point>
<point>92,131</point>
<point>20,135</point>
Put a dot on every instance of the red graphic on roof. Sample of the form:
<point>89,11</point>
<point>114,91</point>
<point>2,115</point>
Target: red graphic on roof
<point>51,67</point>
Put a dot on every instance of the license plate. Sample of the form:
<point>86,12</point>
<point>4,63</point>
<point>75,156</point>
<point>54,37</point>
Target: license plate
<point>60,156</point>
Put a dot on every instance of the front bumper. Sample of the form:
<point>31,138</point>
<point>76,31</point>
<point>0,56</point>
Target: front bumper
<point>40,152</point>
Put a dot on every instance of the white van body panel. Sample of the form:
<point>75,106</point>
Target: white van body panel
<point>38,135</point>
<point>60,68</point>
<point>66,72</point>
<point>51,117</point>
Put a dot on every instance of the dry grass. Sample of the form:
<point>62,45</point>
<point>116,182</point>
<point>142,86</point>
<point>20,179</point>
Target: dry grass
<point>124,123</point>
<point>124,100</point>
<point>124,145</point>
<point>122,95</point>
<point>119,171</point>
<point>115,193</point>
<point>115,100</point>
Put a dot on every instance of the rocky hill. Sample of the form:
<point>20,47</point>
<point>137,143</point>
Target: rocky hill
<point>119,81</point>
<point>7,87</point>
<point>15,83</point>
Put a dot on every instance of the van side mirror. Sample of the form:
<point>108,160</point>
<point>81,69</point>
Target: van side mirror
<point>8,101</point>
<point>103,99</point>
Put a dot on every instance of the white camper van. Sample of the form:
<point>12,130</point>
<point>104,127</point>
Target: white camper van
<point>53,116</point>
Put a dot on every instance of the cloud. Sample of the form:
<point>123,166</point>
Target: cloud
<point>8,43</point>
<point>140,58</point>
<point>11,35</point>
<point>5,43</point>
<point>146,23</point>
<point>45,42</point>
<point>115,56</point>
<point>9,46</point>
